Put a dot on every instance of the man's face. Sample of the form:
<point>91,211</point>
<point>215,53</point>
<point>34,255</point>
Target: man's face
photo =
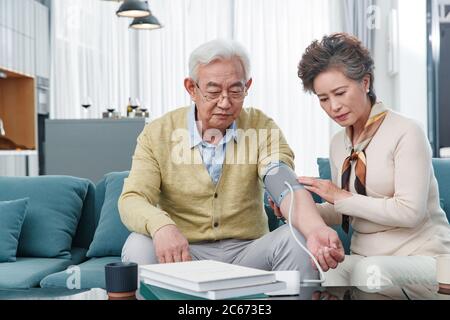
<point>219,93</point>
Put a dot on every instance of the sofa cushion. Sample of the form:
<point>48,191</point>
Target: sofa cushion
<point>12,215</point>
<point>88,220</point>
<point>28,272</point>
<point>324,168</point>
<point>324,173</point>
<point>92,274</point>
<point>54,209</point>
<point>111,233</point>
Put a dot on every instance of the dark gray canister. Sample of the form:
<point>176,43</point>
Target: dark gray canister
<point>121,278</point>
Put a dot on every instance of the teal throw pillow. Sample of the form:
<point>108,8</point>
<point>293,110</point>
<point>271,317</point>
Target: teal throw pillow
<point>12,215</point>
<point>111,233</point>
<point>54,210</point>
<point>324,168</point>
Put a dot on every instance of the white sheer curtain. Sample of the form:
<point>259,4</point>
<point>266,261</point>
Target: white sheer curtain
<point>96,54</point>
<point>163,54</point>
<point>90,57</point>
<point>276,33</point>
<point>358,14</point>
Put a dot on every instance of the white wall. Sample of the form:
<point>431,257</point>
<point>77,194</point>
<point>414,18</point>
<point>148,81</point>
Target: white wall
<point>411,82</point>
<point>405,92</point>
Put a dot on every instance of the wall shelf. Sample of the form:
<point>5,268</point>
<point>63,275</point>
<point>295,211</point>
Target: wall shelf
<point>17,108</point>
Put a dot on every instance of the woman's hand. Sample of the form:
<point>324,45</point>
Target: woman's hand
<point>326,189</point>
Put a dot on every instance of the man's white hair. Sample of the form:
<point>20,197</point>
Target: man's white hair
<point>219,49</point>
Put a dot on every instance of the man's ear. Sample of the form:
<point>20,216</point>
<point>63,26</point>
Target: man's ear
<point>189,84</point>
<point>249,83</point>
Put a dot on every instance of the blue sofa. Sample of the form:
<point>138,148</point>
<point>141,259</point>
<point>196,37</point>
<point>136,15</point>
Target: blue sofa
<point>30,270</point>
<point>99,235</point>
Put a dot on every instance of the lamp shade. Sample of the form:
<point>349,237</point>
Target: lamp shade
<point>146,23</point>
<point>133,9</point>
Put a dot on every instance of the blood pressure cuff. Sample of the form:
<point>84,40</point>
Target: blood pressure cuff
<point>274,181</point>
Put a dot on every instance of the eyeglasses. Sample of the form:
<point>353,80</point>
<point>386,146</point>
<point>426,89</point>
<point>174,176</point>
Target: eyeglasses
<point>237,95</point>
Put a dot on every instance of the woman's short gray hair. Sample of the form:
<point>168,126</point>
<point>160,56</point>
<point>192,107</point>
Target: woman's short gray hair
<point>219,49</point>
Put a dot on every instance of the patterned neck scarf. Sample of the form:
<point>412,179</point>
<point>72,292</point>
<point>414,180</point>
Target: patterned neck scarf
<point>357,153</point>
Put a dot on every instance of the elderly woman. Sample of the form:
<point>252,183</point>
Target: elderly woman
<point>383,183</point>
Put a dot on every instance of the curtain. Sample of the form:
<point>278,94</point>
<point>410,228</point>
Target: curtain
<point>360,20</point>
<point>96,54</point>
<point>276,33</point>
<point>163,54</point>
<point>90,57</point>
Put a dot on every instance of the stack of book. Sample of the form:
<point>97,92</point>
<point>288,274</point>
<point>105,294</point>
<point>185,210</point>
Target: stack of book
<point>208,279</point>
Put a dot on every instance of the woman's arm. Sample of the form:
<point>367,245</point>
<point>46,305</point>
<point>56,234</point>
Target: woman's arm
<point>329,214</point>
<point>407,208</point>
<point>326,209</point>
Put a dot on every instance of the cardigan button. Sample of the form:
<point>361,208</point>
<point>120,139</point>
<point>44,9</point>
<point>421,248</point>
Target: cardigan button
<point>216,224</point>
<point>215,195</point>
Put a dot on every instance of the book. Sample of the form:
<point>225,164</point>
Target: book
<point>158,290</point>
<point>205,275</point>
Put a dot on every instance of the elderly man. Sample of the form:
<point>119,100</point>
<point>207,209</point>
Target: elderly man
<point>199,195</point>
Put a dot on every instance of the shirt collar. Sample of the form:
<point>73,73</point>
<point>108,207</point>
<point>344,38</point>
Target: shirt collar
<point>194,135</point>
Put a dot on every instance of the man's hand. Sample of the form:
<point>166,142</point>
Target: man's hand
<point>325,245</point>
<point>323,242</point>
<point>170,245</point>
<point>275,209</point>
<point>326,189</point>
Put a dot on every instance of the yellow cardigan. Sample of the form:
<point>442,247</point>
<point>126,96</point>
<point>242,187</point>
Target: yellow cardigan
<point>168,183</point>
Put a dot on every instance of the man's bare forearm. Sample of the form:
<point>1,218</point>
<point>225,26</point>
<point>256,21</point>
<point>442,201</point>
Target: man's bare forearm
<point>305,216</point>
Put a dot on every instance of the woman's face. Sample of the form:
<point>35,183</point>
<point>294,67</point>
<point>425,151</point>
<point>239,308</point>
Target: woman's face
<point>343,99</point>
